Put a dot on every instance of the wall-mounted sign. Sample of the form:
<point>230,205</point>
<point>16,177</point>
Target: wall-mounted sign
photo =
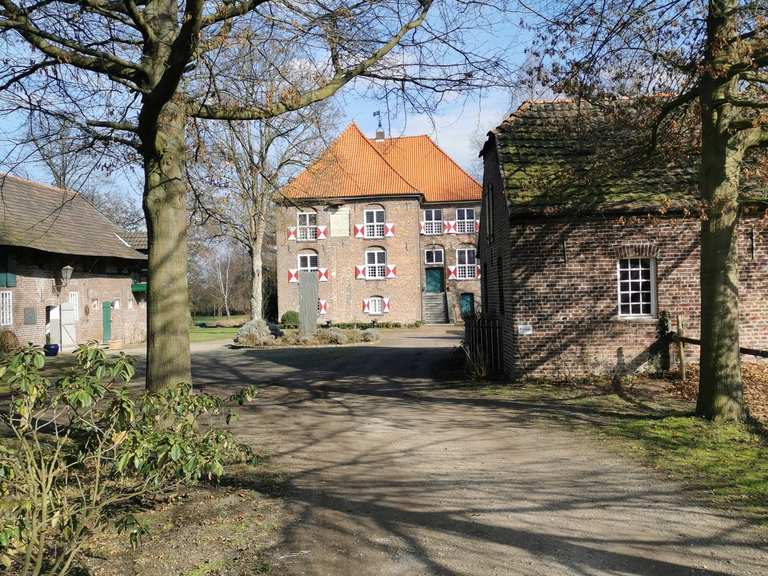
<point>524,329</point>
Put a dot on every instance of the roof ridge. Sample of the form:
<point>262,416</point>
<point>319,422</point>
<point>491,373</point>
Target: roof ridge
<point>380,155</point>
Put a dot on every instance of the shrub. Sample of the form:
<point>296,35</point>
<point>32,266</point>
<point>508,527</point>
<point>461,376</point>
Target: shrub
<point>8,342</point>
<point>332,336</point>
<point>290,319</point>
<point>82,448</point>
<point>370,335</point>
<point>257,333</point>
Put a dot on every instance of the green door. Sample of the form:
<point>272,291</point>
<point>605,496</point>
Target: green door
<point>467,303</point>
<point>434,280</point>
<point>106,322</point>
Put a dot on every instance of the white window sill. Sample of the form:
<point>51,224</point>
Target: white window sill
<point>635,319</point>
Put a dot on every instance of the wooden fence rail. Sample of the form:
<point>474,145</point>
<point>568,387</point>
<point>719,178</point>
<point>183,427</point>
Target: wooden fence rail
<point>483,343</point>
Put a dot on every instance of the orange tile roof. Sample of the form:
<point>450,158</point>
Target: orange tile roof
<point>355,166</point>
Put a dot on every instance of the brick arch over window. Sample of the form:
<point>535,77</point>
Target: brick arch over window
<point>307,260</point>
<point>374,218</point>
<point>306,224</point>
<point>434,255</point>
<point>375,262</point>
<point>637,250</point>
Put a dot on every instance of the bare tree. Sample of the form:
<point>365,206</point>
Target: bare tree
<point>132,73</point>
<point>703,68</point>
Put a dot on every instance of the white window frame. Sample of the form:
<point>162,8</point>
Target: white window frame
<point>374,229</point>
<point>74,299</point>
<point>6,308</point>
<point>466,271</point>
<point>306,231</point>
<point>433,221</point>
<point>376,305</point>
<point>434,250</point>
<point>378,269</point>
<point>464,223</point>
<point>631,289</point>
<point>309,256</point>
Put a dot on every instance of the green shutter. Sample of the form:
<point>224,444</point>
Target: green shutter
<point>4,266</point>
<point>10,271</point>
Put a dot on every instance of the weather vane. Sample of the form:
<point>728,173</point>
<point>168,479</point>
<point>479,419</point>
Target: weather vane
<point>377,114</point>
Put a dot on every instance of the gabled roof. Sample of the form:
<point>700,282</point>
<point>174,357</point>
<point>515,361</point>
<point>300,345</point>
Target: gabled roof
<point>573,156</point>
<point>355,166</point>
<point>429,169</point>
<point>137,239</point>
<point>349,167</point>
<point>34,215</point>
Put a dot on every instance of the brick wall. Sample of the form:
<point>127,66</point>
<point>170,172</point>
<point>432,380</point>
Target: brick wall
<point>563,280</point>
<point>343,292</point>
<point>559,277</point>
<point>35,290</point>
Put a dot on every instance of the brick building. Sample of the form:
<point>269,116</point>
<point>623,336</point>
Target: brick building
<point>42,231</point>
<point>581,255</point>
<point>388,224</point>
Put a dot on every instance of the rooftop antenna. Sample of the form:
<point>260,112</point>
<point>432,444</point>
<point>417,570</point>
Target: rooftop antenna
<point>379,128</point>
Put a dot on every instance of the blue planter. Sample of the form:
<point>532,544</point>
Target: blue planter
<point>51,349</point>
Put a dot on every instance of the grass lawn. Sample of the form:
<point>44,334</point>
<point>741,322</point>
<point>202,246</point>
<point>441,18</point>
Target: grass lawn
<point>199,334</point>
<point>726,463</point>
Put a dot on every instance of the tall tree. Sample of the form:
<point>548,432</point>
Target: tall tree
<point>132,73</point>
<point>703,60</point>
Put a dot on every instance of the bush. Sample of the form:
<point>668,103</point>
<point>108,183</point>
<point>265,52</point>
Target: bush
<point>8,342</point>
<point>82,449</point>
<point>257,333</point>
<point>332,336</point>
<point>290,319</point>
<point>370,335</point>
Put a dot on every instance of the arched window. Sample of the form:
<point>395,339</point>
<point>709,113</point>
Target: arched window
<point>374,221</point>
<point>434,255</point>
<point>466,264</point>
<point>376,305</point>
<point>376,263</point>
<point>306,225</point>
<point>308,260</point>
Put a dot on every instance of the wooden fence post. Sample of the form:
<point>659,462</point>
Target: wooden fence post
<point>681,345</point>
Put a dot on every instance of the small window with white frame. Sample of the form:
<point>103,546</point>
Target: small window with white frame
<point>308,261</point>
<point>6,308</point>
<point>374,222</point>
<point>74,299</point>
<point>306,228</point>
<point>375,263</point>
<point>376,305</point>
<point>465,220</point>
<point>637,286</point>
<point>434,256</point>
<point>433,221</point>
<point>466,263</point>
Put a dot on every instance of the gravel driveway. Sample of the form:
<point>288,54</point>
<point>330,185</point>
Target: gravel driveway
<point>397,471</point>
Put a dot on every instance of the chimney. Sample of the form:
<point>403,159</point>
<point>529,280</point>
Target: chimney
<point>380,134</point>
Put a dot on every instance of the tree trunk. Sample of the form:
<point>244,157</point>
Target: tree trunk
<point>720,387</point>
<point>168,358</point>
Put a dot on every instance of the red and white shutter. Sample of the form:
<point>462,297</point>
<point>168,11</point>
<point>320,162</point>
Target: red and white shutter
<point>291,232</point>
<point>477,226</point>
<point>322,306</point>
<point>390,271</point>
<point>389,230</point>
<point>323,275</point>
<point>293,275</point>
<point>366,305</point>
<point>386,304</point>
<point>360,272</point>
<point>451,272</point>
<point>449,227</point>
<point>322,232</point>
<point>477,271</point>
<point>359,230</point>
<point>422,227</point>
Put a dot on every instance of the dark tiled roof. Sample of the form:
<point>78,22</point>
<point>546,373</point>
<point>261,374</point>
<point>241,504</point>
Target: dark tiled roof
<point>136,238</point>
<point>571,156</point>
<point>37,216</point>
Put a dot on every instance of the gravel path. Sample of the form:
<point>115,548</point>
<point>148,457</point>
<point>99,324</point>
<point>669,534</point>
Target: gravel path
<point>396,472</point>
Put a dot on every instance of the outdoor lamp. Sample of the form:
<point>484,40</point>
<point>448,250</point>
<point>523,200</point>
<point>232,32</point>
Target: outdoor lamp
<point>66,274</point>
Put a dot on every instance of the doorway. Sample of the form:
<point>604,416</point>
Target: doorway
<point>434,280</point>
<point>467,304</point>
<point>106,322</point>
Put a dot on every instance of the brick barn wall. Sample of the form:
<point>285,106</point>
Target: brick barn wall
<point>35,289</point>
<point>563,282</point>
